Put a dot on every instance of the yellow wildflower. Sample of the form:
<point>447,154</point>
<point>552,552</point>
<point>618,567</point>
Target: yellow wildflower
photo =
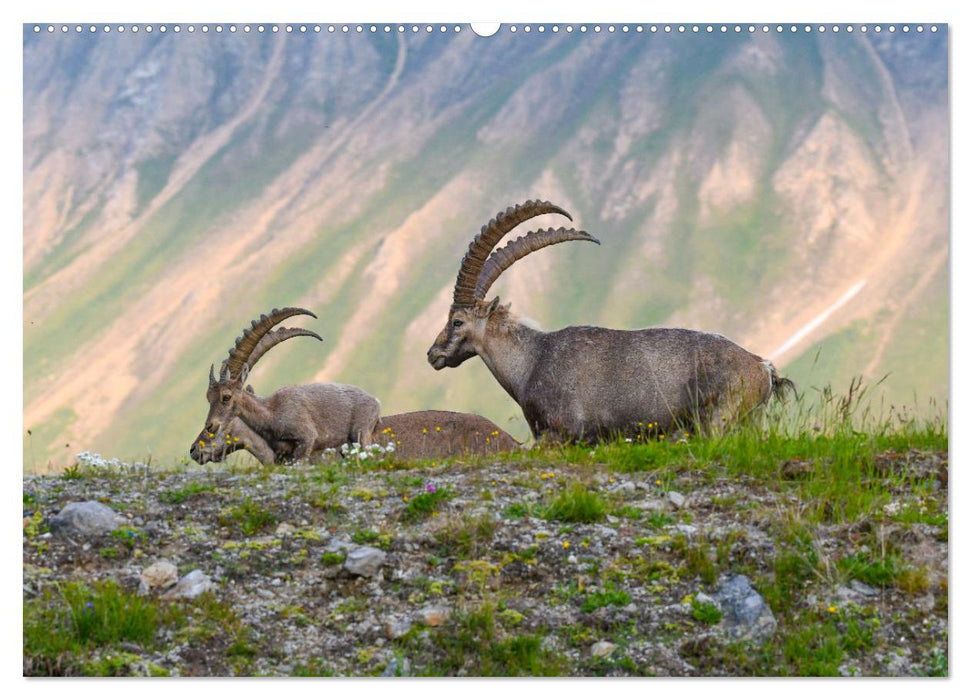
<point>202,443</point>
<point>566,545</point>
<point>424,431</point>
<point>438,428</point>
<point>832,608</point>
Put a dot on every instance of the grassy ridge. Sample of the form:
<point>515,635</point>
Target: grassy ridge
<point>840,494</point>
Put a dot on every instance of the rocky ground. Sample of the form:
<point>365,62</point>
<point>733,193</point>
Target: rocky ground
<point>525,566</point>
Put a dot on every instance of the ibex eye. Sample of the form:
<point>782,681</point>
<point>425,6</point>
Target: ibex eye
<point>457,323</point>
<point>226,398</point>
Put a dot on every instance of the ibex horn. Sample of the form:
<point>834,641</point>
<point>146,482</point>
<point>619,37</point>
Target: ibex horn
<point>245,344</point>
<point>489,236</point>
<point>515,250</point>
<point>274,338</point>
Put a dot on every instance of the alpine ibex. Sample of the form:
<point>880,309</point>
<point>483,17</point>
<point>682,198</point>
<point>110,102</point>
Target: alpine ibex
<point>589,383</point>
<point>310,416</point>
<point>415,435</point>
<point>435,434</point>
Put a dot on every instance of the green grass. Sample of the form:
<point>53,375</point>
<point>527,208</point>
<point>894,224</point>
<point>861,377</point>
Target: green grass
<point>610,595</point>
<point>332,558</point>
<point>705,612</point>
<point>63,626</point>
<point>477,643</point>
<point>181,495</point>
<point>248,517</point>
<point>577,504</point>
<point>467,536</point>
<point>427,502</point>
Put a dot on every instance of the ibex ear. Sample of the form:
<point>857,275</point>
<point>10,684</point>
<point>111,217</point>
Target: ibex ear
<point>244,373</point>
<point>493,305</point>
<point>224,372</point>
<point>249,388</point>
<point>212,375</point>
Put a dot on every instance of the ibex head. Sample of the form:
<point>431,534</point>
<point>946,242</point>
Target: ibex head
<point>470,313</point>
<point>224,393</point>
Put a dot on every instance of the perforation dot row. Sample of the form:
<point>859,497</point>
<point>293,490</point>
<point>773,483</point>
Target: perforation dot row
<point>514,28</point>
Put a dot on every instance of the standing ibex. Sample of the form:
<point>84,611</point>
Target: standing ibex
<point>588,383</point>
<point>309,417</point>
<point>415,435</point>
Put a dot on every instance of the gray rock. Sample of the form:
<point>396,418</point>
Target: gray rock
<point>159,576</point>
<point>862,588</point>
<point>85,519</point>
<point>365,561</point>
<point>747,617</point>
<point>652,504</point>
<point>602,648</point>
<point>396,627</point>
<point>192,585</point>
<point>686,529</point>
<point>676,499</point>
<point>433,616</point>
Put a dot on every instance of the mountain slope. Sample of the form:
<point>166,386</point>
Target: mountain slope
<point>177,186</point>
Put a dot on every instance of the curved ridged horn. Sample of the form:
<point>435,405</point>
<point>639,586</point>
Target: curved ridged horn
<point>245,344</point>
<point>518,249</point>
<point>274,338</point>
<point>489,236</point>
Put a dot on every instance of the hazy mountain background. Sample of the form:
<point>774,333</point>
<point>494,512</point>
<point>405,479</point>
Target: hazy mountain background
<point>177,185</point>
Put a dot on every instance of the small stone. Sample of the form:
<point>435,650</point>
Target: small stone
<point>396,628</point>
<point>365,561</point>
<point>652,504</point>
<point>159,576</point>
<point>676,499</point>
<point>192,585</point>
<point>686,529</point>
<point>284,530</point>
<point>862,588</point>
<point>602,648</point>
<point>85,519</point>
<point>747,616</point>
<point>434,616</point>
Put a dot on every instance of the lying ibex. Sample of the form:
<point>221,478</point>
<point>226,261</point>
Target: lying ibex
<point>415,435</point>
<point>436,434</point>
<point>310,416</point>
<point>588,383</point>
